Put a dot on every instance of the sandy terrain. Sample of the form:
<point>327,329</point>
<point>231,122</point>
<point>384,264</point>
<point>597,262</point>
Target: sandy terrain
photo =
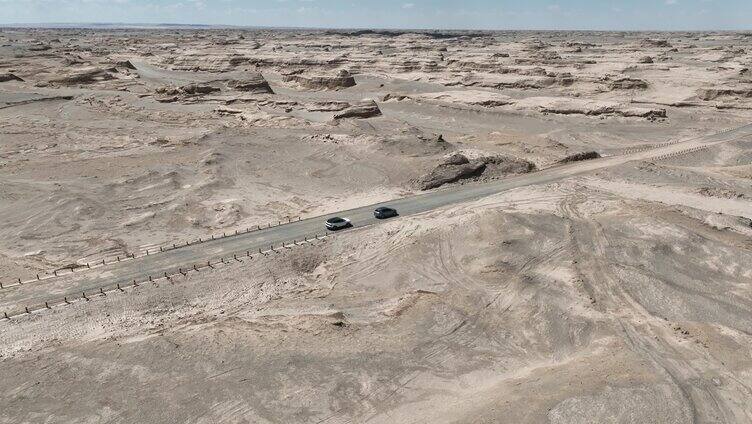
<point>620,296</point>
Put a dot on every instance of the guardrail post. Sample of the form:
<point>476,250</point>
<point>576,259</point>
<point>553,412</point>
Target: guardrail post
<point>150,279</point>
<point>195,268</point>
<point>103,262</point>
<point>54,272</point>
<point>83,294</point>
<point>39,278</point>
<point>160,248</point>
<point>65,299</point>
<point>6,315</point>
<point>101,291</point>
<point>87,265</point>
<point>135,284</point>
<point>1,284</point>
<point>47,305</point>
<point>118,286</point>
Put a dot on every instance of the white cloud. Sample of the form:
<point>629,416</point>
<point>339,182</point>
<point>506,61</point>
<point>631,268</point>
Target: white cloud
<point>408,5</point>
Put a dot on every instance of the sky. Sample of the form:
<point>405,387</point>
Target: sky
<point>439,14</point>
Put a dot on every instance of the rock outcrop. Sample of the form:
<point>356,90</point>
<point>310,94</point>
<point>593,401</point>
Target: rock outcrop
<point>173,94</point>
<point>343,79</point>
<point>627,83</point>
<point>255,84</point>
<point>459,167</point>
<point>577,106</point>
<point>84,76</point>
<point>9,77</point>
<point>580,156</point>
<point>714,93</point>
<point>454,168</point>
<point>365,109</point>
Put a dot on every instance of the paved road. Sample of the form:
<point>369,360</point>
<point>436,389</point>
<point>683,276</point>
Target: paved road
<point>15,299</point>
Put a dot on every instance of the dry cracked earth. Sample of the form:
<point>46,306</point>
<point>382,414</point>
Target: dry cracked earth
<point>620,296</point>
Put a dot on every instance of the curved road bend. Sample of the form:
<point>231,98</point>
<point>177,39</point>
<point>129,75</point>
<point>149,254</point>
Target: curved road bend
<point>33,294</point>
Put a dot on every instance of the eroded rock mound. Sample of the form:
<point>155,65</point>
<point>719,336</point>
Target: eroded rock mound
<point>84,76</point>
<point>342,79</point>
<point>627,83</point>
<point>651,42</point>
<point>714,93</point>
<point>364,109</point>
<point>580,156</point>
<point>172,94</point>
<point>459,167</point>
<point>577,106</point>
<point>255,84</point>
<point>454,168</point>
<point>463,97</point>
<point>9,77</point>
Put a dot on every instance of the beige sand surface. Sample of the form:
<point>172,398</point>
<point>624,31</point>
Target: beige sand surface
<point>621,296</point>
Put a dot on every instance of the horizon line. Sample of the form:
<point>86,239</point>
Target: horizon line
<point>126,25</point>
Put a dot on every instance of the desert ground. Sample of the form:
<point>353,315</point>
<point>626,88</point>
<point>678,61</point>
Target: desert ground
<point>622,295</point>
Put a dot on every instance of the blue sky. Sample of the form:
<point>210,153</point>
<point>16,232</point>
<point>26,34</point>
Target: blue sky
<point>472,14</point>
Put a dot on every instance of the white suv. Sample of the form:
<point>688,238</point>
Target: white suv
<point>337,223</point>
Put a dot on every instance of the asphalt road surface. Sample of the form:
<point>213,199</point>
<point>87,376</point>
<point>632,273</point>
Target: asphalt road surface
<point>14,300</point>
